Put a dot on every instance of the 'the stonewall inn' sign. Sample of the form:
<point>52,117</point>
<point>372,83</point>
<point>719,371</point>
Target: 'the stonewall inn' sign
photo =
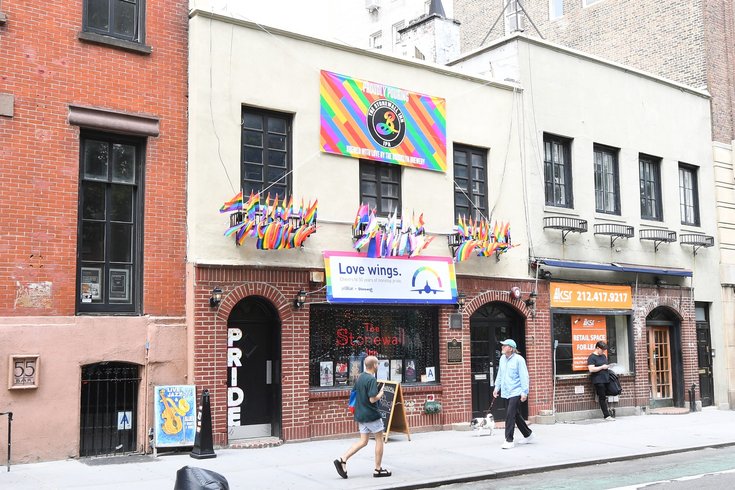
<point>355,278</point>
<point>364,119</point>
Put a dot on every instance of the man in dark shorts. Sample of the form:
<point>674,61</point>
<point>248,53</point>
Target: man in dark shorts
<point>368,419</point>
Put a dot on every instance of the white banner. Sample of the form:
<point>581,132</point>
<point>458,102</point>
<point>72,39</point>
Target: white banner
<point>355,278</point>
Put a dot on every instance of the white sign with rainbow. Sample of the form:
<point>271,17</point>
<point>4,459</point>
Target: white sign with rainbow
<point>355,278</point>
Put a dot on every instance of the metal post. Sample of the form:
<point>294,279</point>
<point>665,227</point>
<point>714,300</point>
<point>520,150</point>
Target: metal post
<point>692,399</point>
<point>10,427</point>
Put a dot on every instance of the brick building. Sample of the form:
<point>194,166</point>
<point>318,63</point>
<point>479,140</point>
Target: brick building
<point>272,351</point>
<point>92,253</point>
<point>689,41</point>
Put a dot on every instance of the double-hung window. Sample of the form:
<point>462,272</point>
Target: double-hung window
<point>558,171</point>
<point>556,9</point>
<point>470,182</point>
<point>266,152</point>
<point>122,19</point>
<point>649,169</point>
<point>514,18</point>
<point>607,193</point>
<point>688,195</point>
<point>380,187</point>
<point>110,224</point>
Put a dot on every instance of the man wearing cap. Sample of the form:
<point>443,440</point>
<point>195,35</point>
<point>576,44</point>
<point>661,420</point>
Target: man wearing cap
<point>597,365</point>
<point>512,384</point>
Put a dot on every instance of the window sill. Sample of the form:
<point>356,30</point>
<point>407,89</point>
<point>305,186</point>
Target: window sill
<point>334,392</point>
<point>649,223</point>
<point>562,377</point>
<point>560,210</point>
<point>615,218</point>
<point>112,41</point>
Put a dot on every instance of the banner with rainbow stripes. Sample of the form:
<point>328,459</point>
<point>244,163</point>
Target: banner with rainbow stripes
<point>369,120</point>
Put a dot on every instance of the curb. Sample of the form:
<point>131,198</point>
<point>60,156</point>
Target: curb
<point>495,475</point>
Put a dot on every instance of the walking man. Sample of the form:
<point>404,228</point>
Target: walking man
<point>368,419</point>
<point>512,384</point>
<point>598,366</point>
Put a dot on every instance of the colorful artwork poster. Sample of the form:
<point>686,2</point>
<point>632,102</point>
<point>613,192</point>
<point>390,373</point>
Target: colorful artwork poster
<point>175,415</point>
<point>363,119</point>
<point>587,330</point>
<point>355,278</point>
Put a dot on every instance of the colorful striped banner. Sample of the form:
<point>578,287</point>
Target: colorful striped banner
<point>368,120</point>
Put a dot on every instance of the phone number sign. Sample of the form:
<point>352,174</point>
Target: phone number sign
<point>599,296</point>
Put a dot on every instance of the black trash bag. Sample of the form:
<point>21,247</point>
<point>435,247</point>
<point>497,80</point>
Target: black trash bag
<point>192,478</point>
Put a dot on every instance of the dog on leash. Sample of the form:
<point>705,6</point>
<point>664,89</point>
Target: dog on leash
<point>483,426</point>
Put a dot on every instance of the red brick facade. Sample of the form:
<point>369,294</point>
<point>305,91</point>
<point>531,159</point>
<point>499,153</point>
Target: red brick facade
<point>45,68</point>
<point>310,414</point>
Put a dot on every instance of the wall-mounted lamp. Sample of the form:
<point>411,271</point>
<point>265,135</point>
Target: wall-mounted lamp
<point>531,300</point>
<point>460,301</point>
<point>216,297</point>
<point>300,299</point>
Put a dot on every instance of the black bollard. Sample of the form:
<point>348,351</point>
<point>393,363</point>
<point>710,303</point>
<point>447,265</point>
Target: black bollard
<point>203,447</point>
<point>692,399</point>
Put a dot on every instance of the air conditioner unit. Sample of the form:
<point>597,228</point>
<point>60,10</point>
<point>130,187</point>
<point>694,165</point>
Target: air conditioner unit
<point>372,5</point>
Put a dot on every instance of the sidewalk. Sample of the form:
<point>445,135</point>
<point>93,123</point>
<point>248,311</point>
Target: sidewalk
<point>429,458</point>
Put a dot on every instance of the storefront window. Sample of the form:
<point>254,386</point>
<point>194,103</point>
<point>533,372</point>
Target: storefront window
<point>404,339</point>
<point>617,334</point>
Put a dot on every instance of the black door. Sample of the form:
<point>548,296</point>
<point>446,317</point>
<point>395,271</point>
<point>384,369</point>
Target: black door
<point>704,357</point>
<point>253,370</point>
<point>490,325</point>
<point>108,408</point>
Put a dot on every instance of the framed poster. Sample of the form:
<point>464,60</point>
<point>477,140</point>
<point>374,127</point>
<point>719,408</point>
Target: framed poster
<point>340,373</point>
<point>383,369</point>
<point>430,374</point>
<point>175,415</point>
<point>396,370</point>
<point>410,373</point>
<point>90,286</point>
<point>326,373</point>
<point>119,285</point>
<point>23,372</point>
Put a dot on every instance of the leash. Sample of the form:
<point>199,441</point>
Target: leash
<point>492,402</point>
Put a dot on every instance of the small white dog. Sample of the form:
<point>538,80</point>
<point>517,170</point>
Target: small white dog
<point>483,426</point>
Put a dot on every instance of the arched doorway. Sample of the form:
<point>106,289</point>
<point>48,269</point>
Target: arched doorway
<point>109,418</point>
<point>489,325</point>
<point>665,366</point>
<point>253,370</point>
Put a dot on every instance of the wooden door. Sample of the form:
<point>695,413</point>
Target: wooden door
<point>659,360</point>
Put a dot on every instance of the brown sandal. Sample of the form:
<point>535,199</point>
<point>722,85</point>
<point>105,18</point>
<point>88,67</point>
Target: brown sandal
<point>341,469</point>
<point>381,473</point>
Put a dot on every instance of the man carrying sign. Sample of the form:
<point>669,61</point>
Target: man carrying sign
<point>368,419</point>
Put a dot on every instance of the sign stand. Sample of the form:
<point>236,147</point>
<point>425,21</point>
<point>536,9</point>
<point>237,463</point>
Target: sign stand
<point>392,410</point>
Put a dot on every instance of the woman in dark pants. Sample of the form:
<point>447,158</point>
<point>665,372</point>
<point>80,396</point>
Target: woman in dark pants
<point>597,365</point>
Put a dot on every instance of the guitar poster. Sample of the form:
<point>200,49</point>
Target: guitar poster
<point>175,415</point>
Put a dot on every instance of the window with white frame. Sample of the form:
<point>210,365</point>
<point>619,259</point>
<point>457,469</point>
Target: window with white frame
<point>586,3</point>
<point>688,195</point>
<point>607,195</point>
<point>396,36</point>
<point>376,40</point>
<point>556,9</point>
<point>514,18</point>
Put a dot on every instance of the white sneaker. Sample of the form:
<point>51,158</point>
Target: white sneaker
<point>508,445</point>
<point>528,440</point>
<point>609,419</point>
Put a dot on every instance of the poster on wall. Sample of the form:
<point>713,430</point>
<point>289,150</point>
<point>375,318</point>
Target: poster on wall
<point>396,370</point>
<point>587,330</point>
<point>175,415</point>
<point>363,119</point>
<point>356,278</point>
<point>326,375</point>
<point>340,373</point>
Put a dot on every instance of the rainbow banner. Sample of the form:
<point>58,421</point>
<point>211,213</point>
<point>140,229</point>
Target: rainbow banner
<point>368,120</point>
<point>355,278</point>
